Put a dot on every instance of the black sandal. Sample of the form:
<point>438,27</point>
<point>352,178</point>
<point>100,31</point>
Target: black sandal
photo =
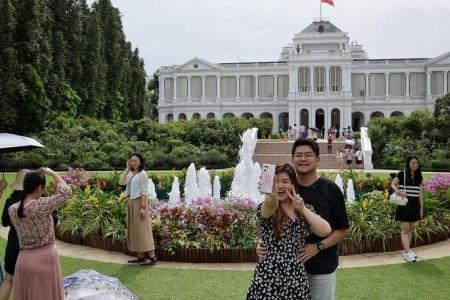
<point>136,260</point>
<point>154,259</point>
<point>149,262</point>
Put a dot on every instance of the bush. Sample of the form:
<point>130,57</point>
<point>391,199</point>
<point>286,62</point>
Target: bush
<point>422,134</point>
<point>98,144</point>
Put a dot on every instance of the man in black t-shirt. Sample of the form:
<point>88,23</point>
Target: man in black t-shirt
<point>320,255</point>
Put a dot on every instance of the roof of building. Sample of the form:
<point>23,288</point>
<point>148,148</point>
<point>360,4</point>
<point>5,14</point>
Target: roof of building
<point>322,27</point>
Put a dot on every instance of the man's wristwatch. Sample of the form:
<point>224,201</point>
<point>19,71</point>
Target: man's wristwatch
<point>320,246</point>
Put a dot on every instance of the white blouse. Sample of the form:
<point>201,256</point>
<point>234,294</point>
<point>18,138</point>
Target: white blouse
<point>137,185</point>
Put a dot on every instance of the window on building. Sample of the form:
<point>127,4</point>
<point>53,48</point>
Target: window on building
<point>397,84</point>
<point>358,85</point>
<point>417,84</point>
<point>319,79</point>
<point>228,87</point>
<point>437,83</point>
<point>168,88</point>
<point>247,87</point>
<point>377,84</point>
<point>283,86</point>
<point>304,81</point>
<point>265,86</point>
<point>182,87</point>
<point>210,87</point>
<point>196,87</point>
<point>335,79</point>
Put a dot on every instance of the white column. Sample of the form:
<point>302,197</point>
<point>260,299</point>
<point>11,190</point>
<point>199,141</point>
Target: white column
<point>291,113</point>
<point>161,89</point>
<point>175,87</point>
<point>238,84</point>
<point>386,96</point>
<point>407,86</point>
<point>428,85</point>
<point>203,88</point>
<point>189,88</point>
<point>311,74</point>
<point>256,89</point>
<point>347,114</point>
<point>327,80</point>
<point>275,118</point>
<point>327,120</point>
<point>346,73</point>
<point>218,78</point>
<point>445,82</point>
<point>367,86</point>
<point>312,122</point>
<point>293,81</point>
<point>275,88</point>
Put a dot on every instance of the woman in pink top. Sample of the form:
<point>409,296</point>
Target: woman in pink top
<point>38,274</point>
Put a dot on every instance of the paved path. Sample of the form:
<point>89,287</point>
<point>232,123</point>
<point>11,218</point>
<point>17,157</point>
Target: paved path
<point>436,250</point>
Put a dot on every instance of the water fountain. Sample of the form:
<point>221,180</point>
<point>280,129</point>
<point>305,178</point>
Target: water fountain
<point>152,190</point>
<point>191,190</point>
<point>216,188</point>
<point>247,173</point>
<point>339,182</point>
<point>204,183</point>
<point>350,192</point>
<point>174,195</point>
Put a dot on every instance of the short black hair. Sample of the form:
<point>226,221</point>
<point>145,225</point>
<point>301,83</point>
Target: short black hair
<point>306,142</point>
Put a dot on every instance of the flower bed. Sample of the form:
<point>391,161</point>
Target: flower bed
<point>226,231</point>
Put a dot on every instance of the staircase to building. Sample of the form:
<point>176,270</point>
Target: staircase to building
<point>279,152</point>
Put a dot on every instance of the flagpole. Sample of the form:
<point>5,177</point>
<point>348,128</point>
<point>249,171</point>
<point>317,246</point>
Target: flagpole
<point>320,10</point>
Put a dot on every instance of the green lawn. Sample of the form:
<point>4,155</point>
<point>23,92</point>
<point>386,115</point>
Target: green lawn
<point>422,280</point>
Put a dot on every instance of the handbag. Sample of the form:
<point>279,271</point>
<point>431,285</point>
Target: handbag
<point>396,199</point>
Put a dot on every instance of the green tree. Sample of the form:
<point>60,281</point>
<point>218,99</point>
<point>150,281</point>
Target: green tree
<point>153,97</point>
<point>442,107</point>
<point>34,59</point>
<point>9,85</point>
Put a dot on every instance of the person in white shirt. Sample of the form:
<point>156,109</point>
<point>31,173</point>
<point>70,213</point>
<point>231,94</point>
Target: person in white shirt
<point>139,228</point>
<point>359,158</point>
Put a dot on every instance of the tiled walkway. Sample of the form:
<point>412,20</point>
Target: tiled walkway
<point>436,250</point>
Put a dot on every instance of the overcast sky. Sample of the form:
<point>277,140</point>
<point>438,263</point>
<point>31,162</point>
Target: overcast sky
<point>171,32</point>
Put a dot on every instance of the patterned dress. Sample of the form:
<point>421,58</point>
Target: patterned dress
<point>281,275</point>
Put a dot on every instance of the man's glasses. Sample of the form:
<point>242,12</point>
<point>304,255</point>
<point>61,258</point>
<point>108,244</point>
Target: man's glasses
<point>307,155</point>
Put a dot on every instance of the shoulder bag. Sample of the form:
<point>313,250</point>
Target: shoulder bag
<point>396,199</point>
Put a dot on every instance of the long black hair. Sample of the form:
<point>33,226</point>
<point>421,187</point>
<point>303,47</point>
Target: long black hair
<point>418,173</point>
<point>32,180</point>
<point>141,159</point>
<point>281,217</point>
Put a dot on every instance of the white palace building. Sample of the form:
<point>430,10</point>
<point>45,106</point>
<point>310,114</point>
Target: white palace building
<point>320,80</point>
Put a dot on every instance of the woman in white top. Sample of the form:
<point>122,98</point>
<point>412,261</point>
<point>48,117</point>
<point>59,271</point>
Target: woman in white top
<point>139,227</point>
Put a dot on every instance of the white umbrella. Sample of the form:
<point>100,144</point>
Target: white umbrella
<point>13,143</point>
<point>350,142</point>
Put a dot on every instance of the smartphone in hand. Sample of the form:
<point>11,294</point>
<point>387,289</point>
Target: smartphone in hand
<point>266,179</point>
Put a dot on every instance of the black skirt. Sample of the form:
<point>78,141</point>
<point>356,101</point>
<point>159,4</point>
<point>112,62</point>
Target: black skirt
<point>410,212</point>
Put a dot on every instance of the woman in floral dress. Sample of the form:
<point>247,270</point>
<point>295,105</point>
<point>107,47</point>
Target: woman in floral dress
<point>285,222</point>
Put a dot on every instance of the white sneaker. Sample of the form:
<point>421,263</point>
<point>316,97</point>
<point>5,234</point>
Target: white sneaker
<point>405,255</point>
<point>409,257</point>
<point>413,254</point>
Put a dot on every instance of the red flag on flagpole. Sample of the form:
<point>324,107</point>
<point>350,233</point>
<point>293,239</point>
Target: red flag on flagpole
<point>330,2</point>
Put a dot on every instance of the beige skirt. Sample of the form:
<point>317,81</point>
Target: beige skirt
<point>139,231</point>
<point>37,275</point>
